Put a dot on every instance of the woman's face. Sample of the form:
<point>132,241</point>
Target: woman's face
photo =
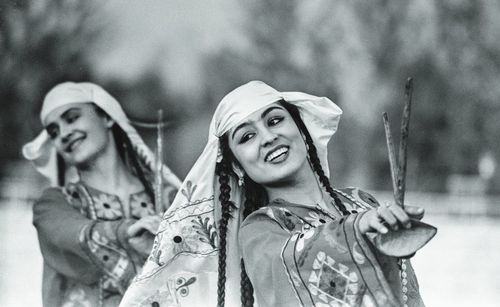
<point>78,132</point>
<point>269,146</point>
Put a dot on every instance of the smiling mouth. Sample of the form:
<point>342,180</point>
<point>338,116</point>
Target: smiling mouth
<point>73,144</point>
<point>277,155</point>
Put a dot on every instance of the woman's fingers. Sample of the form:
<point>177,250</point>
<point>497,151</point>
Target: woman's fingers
<point>400,215</point>
<point>377,225</point>
<point>149,223</point>
<point>415,212</point>
<point>385,214</point>
<point>382,218</point>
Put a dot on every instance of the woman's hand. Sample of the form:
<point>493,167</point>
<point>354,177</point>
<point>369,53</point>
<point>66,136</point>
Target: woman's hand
<point>142,233</point>
<point>148,223</point>
<point>382,218</point>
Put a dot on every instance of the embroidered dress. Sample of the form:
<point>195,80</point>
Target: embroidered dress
<point>182,269</point>
<point>87,258</point>
<point>311,256</point>
<point>82,234</point>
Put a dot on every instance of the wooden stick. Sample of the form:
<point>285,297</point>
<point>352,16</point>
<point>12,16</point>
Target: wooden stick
<point>403,144</point>
<point>159,165</point>
<point>392,155</point>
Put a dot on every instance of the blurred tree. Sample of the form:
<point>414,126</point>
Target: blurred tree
<point>42,43</point>
<point>449,48</point>
<point>270,29</point>
<point>360,54</point>
<point>141,99</point>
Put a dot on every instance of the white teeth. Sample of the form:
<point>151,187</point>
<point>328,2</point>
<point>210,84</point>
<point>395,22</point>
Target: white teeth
<point>73,144</point>
<point>276,153</point>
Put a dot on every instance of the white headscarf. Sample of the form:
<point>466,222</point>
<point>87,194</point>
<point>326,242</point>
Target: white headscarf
<point>182,268</point>
<point>43,154</point>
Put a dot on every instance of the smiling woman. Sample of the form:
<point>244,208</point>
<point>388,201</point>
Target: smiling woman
<point>268,226</point>
<point>96,225</point>
<point>79,133</point>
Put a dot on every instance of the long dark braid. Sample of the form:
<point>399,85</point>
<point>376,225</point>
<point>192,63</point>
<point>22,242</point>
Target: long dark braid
<point>128,155</point>
<point>255,196</point>
<point>313,156</point>
<point>246,287</point>
<point>223,170</point>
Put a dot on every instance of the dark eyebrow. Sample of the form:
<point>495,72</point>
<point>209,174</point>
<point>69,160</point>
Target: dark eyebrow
<point>68,111</point>
<point>261,116</point>
<point>238,128</point>
<point>64,115</point>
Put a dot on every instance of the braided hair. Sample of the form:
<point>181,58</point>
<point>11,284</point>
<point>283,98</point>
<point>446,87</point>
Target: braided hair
<point>131,159</point>
<point>125,151</point>
<point>313,156</point>
<point>223,170</point>
<point>255,196</point>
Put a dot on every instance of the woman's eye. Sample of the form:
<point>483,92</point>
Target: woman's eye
<point>52,133</point>
<point>71,119</point>
<point>274,120</point>
<point>246,137</point>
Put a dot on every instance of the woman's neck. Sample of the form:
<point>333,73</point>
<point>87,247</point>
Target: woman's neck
<point>304,189</point>
<point>108,173</point>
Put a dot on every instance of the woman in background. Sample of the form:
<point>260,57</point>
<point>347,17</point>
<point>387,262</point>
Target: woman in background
<point>97,222</point>
<point>257,216</point>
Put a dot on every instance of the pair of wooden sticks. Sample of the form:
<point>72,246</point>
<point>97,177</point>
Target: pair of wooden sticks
<point>398,167</point>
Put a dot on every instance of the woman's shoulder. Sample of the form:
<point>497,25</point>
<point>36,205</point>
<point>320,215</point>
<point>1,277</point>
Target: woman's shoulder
<point>358,197</point>
<point>52,198</point>
<point>58,196</point>
<point>275,213</point>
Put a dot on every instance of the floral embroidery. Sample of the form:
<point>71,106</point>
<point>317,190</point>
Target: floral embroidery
<point>170,294</point>
<point>179,238</point>
<point>182,285</point>
<point>306,234</point>
<point>98,238</point>
<point>332,282</point>
<point>107,207</point>
<point>189,190</point>
<point>141,205</point>
<point>206,230</point>
<point>315,219</point>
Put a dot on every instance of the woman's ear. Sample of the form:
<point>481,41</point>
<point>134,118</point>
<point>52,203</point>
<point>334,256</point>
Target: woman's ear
<point>109,122</point>
<point>237,169</point>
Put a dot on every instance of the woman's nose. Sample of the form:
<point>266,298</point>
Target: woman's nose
<point>65,133</point>
<point>268,137</point>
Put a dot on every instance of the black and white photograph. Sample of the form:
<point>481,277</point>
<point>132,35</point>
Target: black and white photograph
<point>267,153</point>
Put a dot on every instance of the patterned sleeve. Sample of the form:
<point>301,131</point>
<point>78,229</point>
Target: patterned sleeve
<point>310,265</point>
<point>78,247</point>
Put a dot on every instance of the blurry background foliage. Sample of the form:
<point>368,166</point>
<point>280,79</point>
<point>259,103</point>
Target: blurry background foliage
<point>358,53</point>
